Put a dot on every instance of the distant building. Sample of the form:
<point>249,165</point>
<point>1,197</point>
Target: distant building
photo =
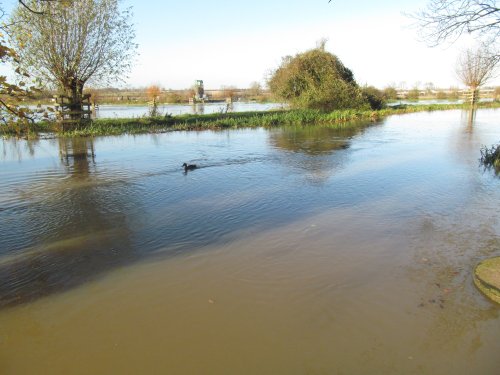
<point>199,90</point>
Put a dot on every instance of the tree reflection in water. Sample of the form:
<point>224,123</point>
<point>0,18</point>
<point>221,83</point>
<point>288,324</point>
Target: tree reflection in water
<point>471,118</point>
<point>78,155</point>
<point>312,149</point>
<point>84,232</point>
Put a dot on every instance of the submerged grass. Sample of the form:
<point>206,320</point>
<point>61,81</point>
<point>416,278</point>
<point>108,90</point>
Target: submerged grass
<point>490,157</point>
<point>216,121</point>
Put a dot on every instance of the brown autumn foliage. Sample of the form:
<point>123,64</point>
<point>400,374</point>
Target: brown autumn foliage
<point>153,92</point>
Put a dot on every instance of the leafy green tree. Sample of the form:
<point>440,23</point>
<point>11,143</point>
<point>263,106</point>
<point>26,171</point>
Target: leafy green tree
<point>316,79</point>
<point>71,43</point>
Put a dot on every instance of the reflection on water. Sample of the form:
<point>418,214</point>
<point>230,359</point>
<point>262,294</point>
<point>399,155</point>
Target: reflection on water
<point>80,238</point>
<point>289,251</point>
<point>77,154</point>
<point>471,119</point>
<point>314,140</point>
<point>311,148</point>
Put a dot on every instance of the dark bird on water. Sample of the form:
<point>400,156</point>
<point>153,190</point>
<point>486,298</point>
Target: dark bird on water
<point>189,167</point>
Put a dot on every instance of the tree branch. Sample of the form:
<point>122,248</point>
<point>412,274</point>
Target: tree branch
<point>32,10</point>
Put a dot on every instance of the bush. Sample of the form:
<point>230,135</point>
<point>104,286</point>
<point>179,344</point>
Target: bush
<point>374,97</point>
<point>316,79</point>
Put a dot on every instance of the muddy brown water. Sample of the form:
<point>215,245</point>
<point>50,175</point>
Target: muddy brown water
<point>289,251</point>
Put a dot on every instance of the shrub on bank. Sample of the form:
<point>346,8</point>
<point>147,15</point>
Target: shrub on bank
<point>374,97</point>
<point>316,79</point>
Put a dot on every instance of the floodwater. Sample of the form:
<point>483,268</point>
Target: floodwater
<point>127,111</point>
<point>433,101</point>
<point>289,251</point>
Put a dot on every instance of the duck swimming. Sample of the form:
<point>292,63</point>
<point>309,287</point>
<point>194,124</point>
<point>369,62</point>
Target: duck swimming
<point>189,167</point>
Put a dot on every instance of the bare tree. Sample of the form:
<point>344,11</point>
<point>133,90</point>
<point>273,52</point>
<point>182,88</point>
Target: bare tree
<point>229,91</point>
<point>74,42</point>
<point>447,20</point>
<point>153,93</point>
<point>429,88</point>
<point>255,89</point>
<point>475,67</point>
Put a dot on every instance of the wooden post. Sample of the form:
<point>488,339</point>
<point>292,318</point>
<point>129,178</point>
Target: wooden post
<point>70,116</point>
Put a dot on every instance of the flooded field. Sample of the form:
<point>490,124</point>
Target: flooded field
<point>288,251</point>
<point>127,111</point>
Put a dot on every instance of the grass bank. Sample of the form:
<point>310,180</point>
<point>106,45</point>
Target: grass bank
<point>217,121</point>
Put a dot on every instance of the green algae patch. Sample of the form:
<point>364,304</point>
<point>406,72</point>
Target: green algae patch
<point>487,278</point>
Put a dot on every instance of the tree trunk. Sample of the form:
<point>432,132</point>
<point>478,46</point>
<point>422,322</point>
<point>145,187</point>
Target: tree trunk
<point>473,96</point>
<point>75,90</point>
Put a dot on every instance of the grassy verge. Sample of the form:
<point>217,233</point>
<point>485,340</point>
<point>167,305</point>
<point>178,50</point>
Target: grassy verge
<point>228,121</point>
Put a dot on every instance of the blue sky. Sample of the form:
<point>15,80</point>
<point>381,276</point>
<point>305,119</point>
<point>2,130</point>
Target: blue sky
<point>236,42</point>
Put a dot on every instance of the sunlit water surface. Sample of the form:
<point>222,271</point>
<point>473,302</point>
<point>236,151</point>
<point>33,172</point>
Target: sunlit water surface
<point>289,251</point>
<point>126,111</point>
